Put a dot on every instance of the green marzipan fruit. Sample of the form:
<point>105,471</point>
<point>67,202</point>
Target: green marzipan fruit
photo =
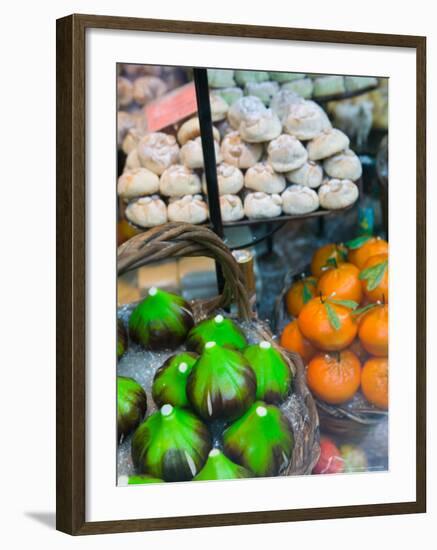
<point>161,321</point>
<point>172,444</point>
<point>223,332</point>
<point>261,440</point>
<point>218,466</point>
<point>170,381</point>
<point>273,375</point>
<point>121,339</point>
<point>143,479</point>
<point>222,385</point>
<point>131,405</point>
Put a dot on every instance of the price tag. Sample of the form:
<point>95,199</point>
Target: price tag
<point>171,108</point>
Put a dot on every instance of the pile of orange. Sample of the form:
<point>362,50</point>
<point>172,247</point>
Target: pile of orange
<point>340,326</point>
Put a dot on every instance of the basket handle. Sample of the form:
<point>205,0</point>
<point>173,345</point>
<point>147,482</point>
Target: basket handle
<point>179,240</point>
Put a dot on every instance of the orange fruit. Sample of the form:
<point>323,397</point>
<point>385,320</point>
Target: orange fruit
<point>371,247</point>
<point>334,377</point>
<point>326,257</point>
<point>374,381</point>
<point>341,282</point>
<point>373,331</point>
<point>374,278</point>
<point>293,340</point>
<point>327,325</point>
<point>299,293</point>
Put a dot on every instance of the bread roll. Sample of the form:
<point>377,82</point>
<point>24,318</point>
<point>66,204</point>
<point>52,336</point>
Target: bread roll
<point>219,107</point>
<point>303,88</point>
<point>305,120</point>
<point>191,153</point>
<point>148,88</point>
<point>125,121</point>
<point>239,153</point>
<point>262,177</point>
<point>230,179</point>
<point>188,209</point>
<point>132,160</point>
<point>261,205</point>
<point>221,78</point>
<point>157,151</point>
<point>328,85</point>
<point>243,108</point>
<point>343,165</point>
<point>230,95</point>
<point>131,140</point>
<point>326,144</point>
<point>243,77</point>
<point>260,127</point>
<point>282,101</point>
<point>147,211</point>
<point>264,90</point>
<point>231,208</point>
<point>137,183</point>
<point>178,181</point>
<point>286,153</point>
<point>285,77</point>
<point>335,194</point>
<point>355,83</point>
<point>125,93</point>
<point>299,199</point>
<point>190,129</point>
<point>309,174</point>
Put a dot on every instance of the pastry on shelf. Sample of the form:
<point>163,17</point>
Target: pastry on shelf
<point>137,183</point>
<point>264,90</point>
<point>243,77</point>
<point>230,179</point>
<point>191,153</point>
<point>282,77</point>
<point>335,194</point>
<point>148,88</point>
<point>231,208</point>
<point>147,211</point>
<point>190,129</point>
<point>132,160</point>
<point>343,165</point>
<point>328,85</point>
<point>125,93</point>
<point>243,108</point>
<point>230,95</point>
<point>286,153</point>
<point>237,152</point>
<point>260,127</point>
<point>282,101</point>
<point>178,180</point>
<point>188,209</point>
<point>305,120</point>
<point>356,83</point>
<point>299,199</point>
<point>330,142</point>
<point>309,174</point>
<point>262,205</point>
<point>157,151</point>
<point>303,87</point>
<point>219,107</point>
<point>221,78</point>
<point>125,121</point>
<point>131,140</point>
<point>262,177</point>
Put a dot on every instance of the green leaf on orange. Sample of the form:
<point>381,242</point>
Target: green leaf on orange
<point>332,316</point>
<point>351,304</point>
<point>331,262</point>
<point>373,275</point>
<point>306,293</point>
<point>364,309</point>
<point>358,242</point>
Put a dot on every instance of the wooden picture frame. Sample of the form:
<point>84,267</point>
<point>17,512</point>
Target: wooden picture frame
<point>71,327</point>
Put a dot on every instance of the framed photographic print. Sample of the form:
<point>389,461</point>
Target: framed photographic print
<point>240,274</point>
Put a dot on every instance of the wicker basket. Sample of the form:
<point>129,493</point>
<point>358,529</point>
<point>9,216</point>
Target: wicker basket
<point>178,240</point>
<point>353,420</point>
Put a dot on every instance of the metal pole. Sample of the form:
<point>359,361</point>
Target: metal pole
<point>205,121</point>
